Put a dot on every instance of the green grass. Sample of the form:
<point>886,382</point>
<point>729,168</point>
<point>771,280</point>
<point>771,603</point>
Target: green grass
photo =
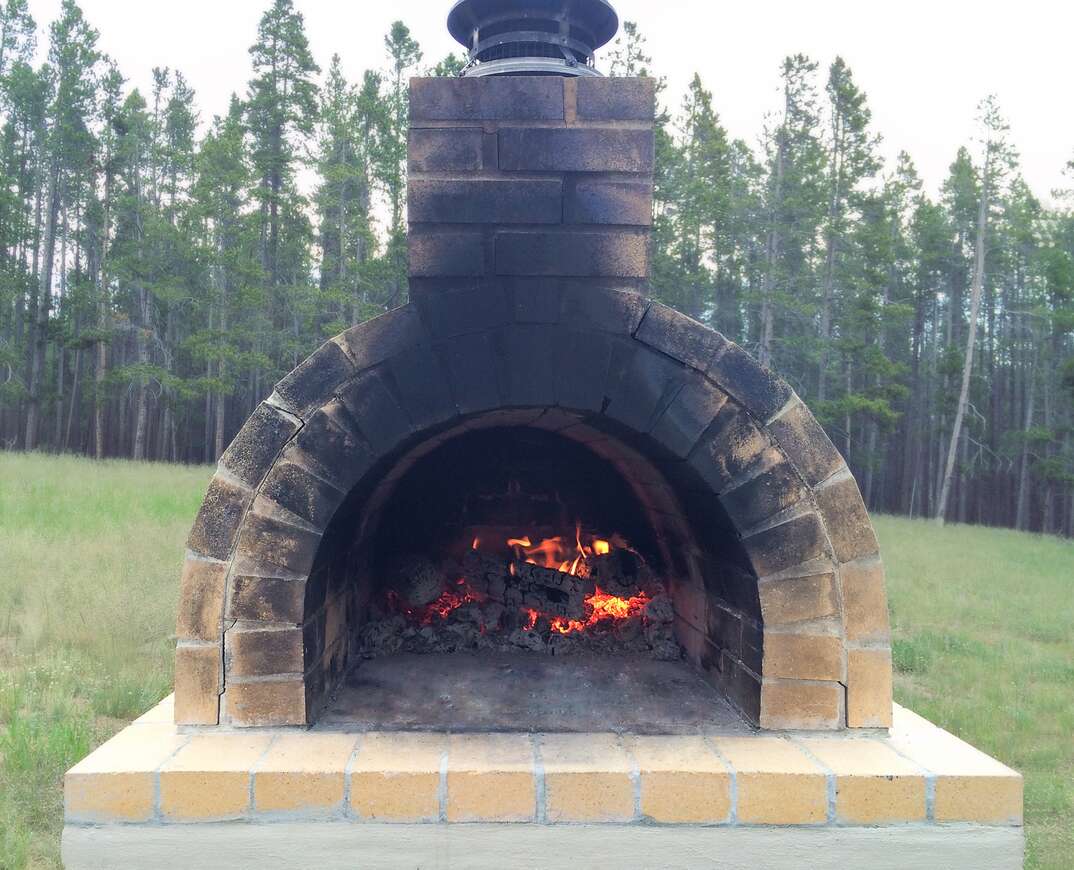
<point>89,561</point>
<point>983,622</point>
<point>89,566</point>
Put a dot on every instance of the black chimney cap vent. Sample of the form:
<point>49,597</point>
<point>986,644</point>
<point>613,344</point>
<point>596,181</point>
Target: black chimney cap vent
<point>532,37</point>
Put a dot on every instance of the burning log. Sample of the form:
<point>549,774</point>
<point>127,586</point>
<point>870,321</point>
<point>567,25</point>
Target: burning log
<point>419,582</point>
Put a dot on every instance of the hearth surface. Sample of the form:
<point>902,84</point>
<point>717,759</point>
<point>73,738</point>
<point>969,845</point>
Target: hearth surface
<point>529,693</point>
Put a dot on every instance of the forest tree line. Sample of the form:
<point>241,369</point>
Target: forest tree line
<point>159,274</point>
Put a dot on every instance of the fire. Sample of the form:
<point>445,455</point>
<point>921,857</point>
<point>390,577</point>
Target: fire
<point>559,553</point>
<point>602,607</point>
<point>442,608</point>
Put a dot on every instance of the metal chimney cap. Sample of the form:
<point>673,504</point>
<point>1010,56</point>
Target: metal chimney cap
<point>532,37</point>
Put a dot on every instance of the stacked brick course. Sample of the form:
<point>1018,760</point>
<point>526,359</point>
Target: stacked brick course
<point>539,177</point>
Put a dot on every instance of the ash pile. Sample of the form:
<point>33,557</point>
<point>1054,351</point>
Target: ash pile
<point>609,604</point>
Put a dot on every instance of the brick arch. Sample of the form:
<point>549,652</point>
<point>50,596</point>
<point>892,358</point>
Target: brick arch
<point>804,637</point>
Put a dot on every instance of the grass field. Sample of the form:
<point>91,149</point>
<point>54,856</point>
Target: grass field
<point>89,564</point>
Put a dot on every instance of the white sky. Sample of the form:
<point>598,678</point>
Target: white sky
<point>924,65</point>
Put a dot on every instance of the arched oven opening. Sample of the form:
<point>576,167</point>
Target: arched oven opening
<point>554,554</point>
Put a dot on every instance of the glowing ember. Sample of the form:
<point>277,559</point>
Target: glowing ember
<point>603,607</point>
<point>442,608</point>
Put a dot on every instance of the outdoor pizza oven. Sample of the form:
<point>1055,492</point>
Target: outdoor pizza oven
<point>531,498</point>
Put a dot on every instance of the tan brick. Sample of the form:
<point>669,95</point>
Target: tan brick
<point>803,657</point>
<point>209,778</point>
<point>847,520</point>
<point>162,714</point>
<point>865,600</point>
<point>777,783</point>
<point>396,777</point>
<point>812,706</point>
<point>682,780</point>
<point>197,684</point>
<point>869,688</point>
<point>491,778</point>
<point>587,778</point>
<point>264,652</point>
<point>970,786</point>
<point>201,600</point>
<point>116,782</point>
<point>799,599</point>
<point>303,772</point>
<point>874,785</point>
<point>267,703</point>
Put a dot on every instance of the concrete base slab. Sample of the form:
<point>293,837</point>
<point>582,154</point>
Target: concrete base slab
<point>341,846</point>
<point>529,693</point>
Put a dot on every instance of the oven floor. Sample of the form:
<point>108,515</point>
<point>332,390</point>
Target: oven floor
<point>529,693</point>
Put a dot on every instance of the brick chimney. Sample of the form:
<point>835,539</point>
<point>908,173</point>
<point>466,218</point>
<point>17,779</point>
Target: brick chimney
<point>525,183</point>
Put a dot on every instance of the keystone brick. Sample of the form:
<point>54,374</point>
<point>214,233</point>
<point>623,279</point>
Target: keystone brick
<point>803,657</point>
<point>376,340</point>
<point>440,150</point>
<point>599,201</point>
<point>784,546</point>
<point>446,254</point>
<point>574,149</point>
<point>680,336</point>
<point>304,495</point>
<point>258,444</point>
<point>265,539</point>
<point>272,703</point>
<point>262,653</point>
<point>773,490</point>
<point>623,255</point>
<point>805,441</point>
<point>530,379</point>
<point>197,684</point>
<point>267,599</point>
<point>847,520</point>
<point>201,600</point>
<point>473,201</point>
<point>492,98</point>
<point>312,384</point>
<point>616,99</point>
<point>583,361</point>
<point>761,392</point>
<point>218,520</point>
<point>473,367</point>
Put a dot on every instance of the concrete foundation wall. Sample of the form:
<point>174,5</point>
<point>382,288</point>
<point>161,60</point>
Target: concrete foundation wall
<point>335,846</point>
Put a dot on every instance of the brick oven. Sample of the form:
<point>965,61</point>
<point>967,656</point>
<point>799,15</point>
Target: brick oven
<point>536,549</point>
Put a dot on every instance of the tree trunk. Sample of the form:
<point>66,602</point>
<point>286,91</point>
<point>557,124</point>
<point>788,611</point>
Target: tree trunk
<point>971,339</point>
<point>44,302</point>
